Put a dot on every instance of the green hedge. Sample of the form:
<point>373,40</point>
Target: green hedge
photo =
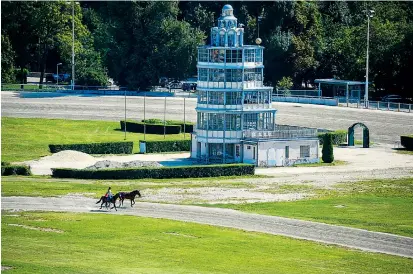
<point>138,127</point>
<point>338,137</point>
<point>167,146</point>
<point>7,170</point>
<point>96,148</point>
<point>157,173</point>
<point>407,141</point>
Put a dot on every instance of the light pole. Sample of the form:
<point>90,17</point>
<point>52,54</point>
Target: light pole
<point>73,46</point>
<point>366,92</point>
<point>57,71</point>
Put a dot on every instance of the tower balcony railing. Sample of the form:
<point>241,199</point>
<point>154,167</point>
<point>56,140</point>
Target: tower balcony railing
<point>221,107</point>
<point>281,132</point>
<point>230,85</point>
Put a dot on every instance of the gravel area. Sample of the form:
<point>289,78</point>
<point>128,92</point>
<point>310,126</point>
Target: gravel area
<point>112,164</point>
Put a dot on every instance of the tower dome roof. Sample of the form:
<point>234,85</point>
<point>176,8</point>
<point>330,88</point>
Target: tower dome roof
<point>227,7</point>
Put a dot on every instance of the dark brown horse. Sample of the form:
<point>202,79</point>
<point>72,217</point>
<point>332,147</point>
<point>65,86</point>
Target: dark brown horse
<point>105,200</point>
<point>128,195</point>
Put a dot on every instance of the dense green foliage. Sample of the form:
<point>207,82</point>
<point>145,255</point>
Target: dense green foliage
<point>150,128</point>
<point>407,141</point>
<point>167,146</point>
<point>96,148</point>
<point>136,42</point>
<point>338,137</point>
<point>157,173</point>
<point>7,170</point>
<point>327,152</point>
<point>187,127</point>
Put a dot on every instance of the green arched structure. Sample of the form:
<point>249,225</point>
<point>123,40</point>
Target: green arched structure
<point>366,137</point>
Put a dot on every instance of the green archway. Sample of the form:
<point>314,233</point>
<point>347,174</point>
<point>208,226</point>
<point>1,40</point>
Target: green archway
<point>366,136</point>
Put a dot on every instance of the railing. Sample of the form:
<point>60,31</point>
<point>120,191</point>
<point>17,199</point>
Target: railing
<point>51,87</point>
<point>282,132</point>
<point>347,102</point>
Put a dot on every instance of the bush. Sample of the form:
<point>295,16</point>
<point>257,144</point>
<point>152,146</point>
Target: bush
<point>407,141</point>
<point>338,137</point>
<point>96,148</point>
<point>167,146</point>
<point>186,127</point>
<point>157,173</point>
<point>150,128</point>
<point>15,170</point>
<point>327,152</point>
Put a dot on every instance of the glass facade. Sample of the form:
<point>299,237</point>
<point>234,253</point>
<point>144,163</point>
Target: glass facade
<point>234,97</point>
<point>232,122</point>
<point>229,56</point>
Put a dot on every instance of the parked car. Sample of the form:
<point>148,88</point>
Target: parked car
<point>392,98</point>
<point>163,81</point>
<point>175,84</point>
<point>189,86</point>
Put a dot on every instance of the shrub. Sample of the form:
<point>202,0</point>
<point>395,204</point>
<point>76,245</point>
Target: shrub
<point>167,146</point>
<point>15,170</point>
<point>186,127</point>
<point>407,141</point>
<point>157,173</point>
<point>96,148</point>
<point>150,128</point>
<point>338,137</point>
<point>328,155</point>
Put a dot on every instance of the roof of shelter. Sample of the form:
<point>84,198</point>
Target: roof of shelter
<point>333,81</point>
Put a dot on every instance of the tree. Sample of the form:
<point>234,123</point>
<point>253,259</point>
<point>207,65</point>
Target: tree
<point>327,151</point>
<point>7,60</point>
<point>285,83</point>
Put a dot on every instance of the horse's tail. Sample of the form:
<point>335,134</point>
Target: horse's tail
<point>99,200</point>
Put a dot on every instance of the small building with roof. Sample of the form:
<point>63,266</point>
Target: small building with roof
<point>235,119</point>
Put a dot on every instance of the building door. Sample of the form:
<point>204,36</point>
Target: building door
<point>279,157</point>
<point>198,150</point>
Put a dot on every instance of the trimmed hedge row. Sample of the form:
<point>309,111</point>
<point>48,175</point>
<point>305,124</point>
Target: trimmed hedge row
<point>338,137</point>
<point>407,141</point>
<point>138,127</point>
<point>157,173</point>
<point>96,148</point>
<point>7,170</point>
<point>167,146</point>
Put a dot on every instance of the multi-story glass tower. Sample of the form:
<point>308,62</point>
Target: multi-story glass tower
<point>233,104</point>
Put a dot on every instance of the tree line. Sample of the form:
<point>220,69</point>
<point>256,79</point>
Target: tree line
<point>135,43</point>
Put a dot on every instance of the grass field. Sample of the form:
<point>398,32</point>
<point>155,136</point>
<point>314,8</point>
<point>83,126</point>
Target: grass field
<point>377,205</point>
<point>26,139</point>
<point>102,243</point>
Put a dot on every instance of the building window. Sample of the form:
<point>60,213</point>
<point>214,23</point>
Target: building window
<point>258,55</point>
<point>304,151</point>
<point>203,55</point>
<point>253,153</point>
<point>203,74</point>
<point>287,152</point>
<point>234,56</point>
<point>217,55</point>
<point>250,55</point>
<point>237,150</point>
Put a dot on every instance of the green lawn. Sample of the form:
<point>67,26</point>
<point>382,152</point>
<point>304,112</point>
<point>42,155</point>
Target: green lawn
<point>34,186</point>
<point>378,205</point>
<point>103,243</point>
<point>27,139</point>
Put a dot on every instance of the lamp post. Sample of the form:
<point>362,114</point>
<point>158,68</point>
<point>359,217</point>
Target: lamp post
<point>73,45</point>
<point>57,71</point>
<point>366,93</point>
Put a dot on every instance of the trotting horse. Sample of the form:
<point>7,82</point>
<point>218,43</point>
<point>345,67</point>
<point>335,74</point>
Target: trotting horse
<point>128,195</point>
<point>105,200</point>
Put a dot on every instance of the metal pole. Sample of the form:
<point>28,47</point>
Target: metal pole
<point>184,119</point>
<point>57,79</point>
<point>125,115</point>
<point>366,92</point>
<point>73,49</point>
<point>164,122</point>
<point>144,116</point>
